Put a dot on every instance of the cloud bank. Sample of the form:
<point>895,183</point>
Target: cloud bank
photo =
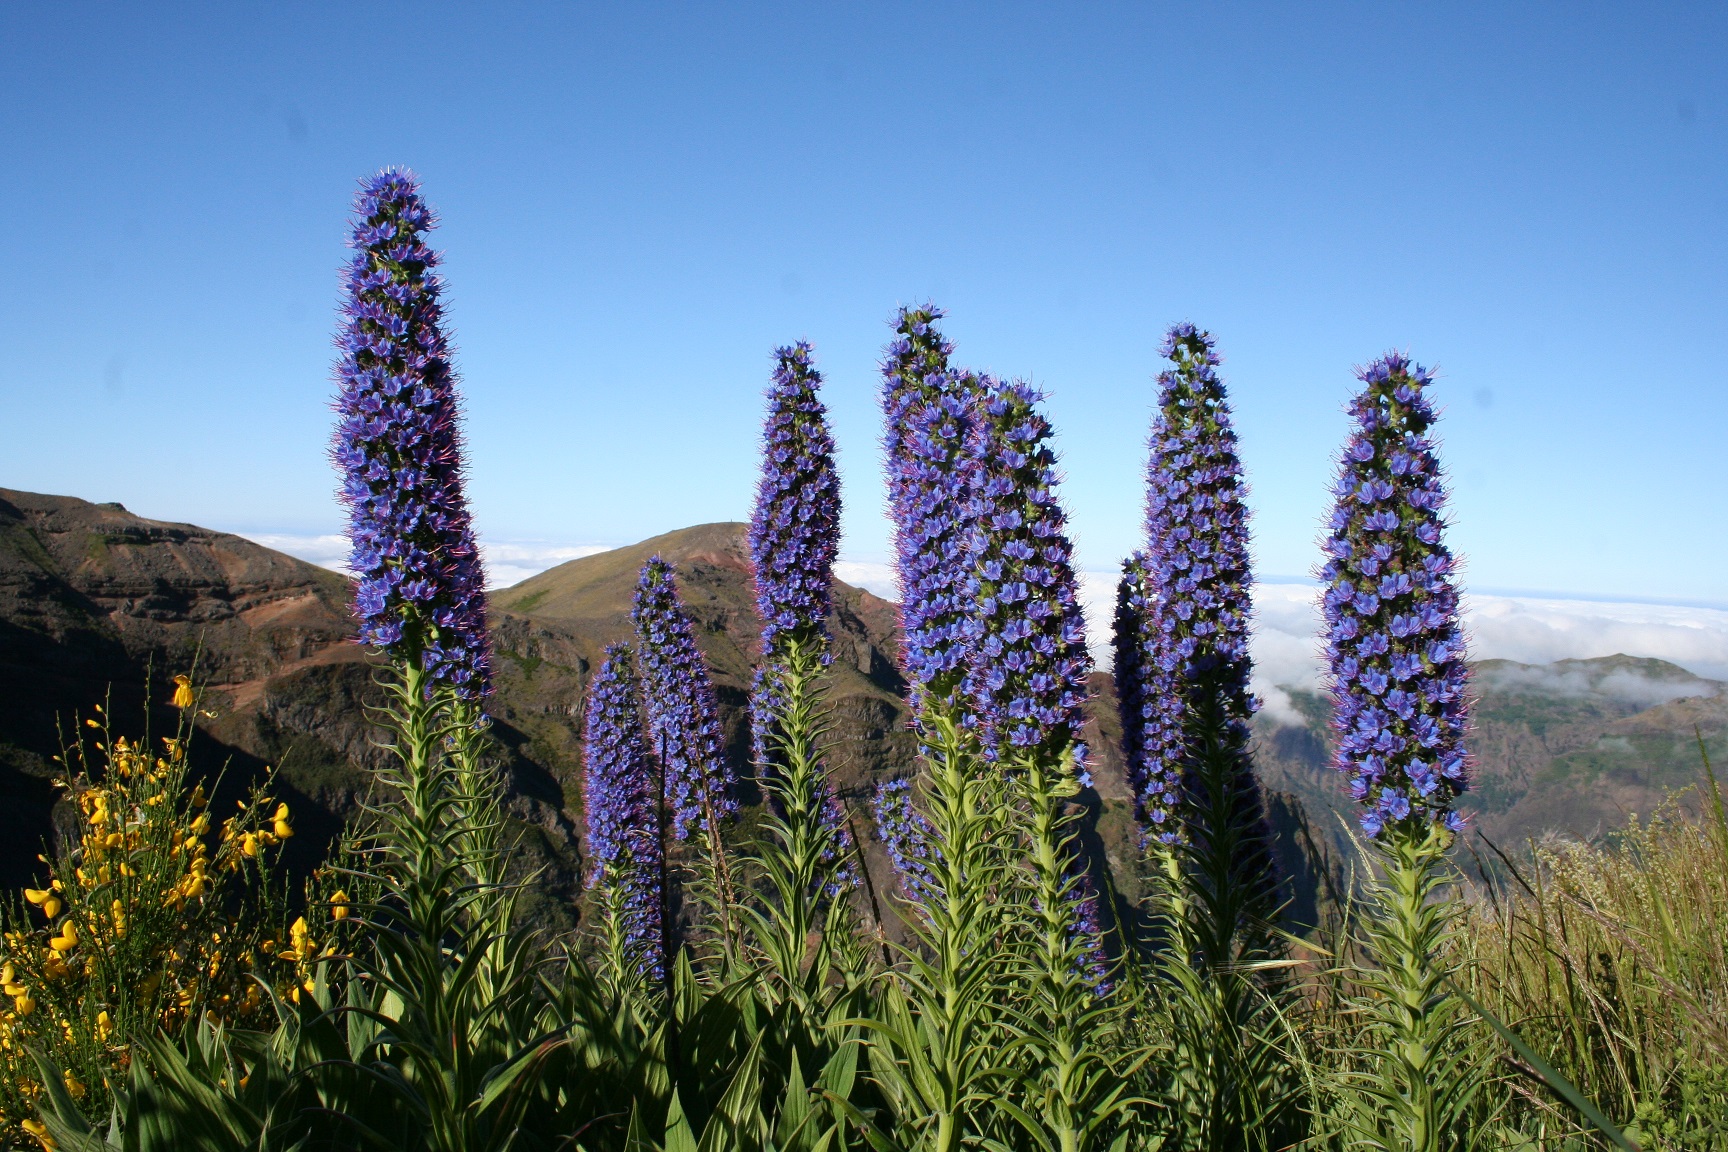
<point>507,562</point>
<point>1286,641</point>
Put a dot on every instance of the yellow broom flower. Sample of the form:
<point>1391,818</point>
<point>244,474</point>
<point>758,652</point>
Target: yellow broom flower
<point>183,697</point>
<point>46,899</point>
<point>40,1130</point>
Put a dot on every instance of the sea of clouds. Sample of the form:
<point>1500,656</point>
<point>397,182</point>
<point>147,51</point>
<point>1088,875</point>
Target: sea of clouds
<point>506,562</point>
<point>1530,630</point>
<point>1527,629</point>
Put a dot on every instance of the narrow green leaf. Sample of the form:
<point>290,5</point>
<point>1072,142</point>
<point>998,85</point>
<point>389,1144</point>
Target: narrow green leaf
<point>1551,1077</point>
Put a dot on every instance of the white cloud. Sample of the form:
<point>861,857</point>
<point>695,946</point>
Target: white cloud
<point>1537,631</point>
<point>1285,644</point>
<point>507,561</point>
<point>325,551</point>
<point>1287,648</point>
<point>511,562</point>
<point>869,575</point>
<point>1625,684</point>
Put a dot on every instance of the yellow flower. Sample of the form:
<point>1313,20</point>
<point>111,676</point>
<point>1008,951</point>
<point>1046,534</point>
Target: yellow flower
<point>104,1025</point>
<point>45,899</point>
<point>249,844</point>
<point>280,822</point>
<point>67,940</point>
<point>339,905</point>
<point>73,1086</point>
<point>40,1130</point>
<point>183,697</point>
<point>24,1005</point>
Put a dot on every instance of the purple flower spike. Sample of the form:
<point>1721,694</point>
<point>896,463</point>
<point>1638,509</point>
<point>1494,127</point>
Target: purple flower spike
<point>930,415</point>
<point>682,716</point>
<point>1027,681</point>
<point>1151,709</point>
<point>907,836</point>
<point>914,370</point>
<point>795,531</point>
<point>1196,584</point>
<point>621,799</point>
<point>419,590</point>
<point>1395,651</point>
<point>794,538</point>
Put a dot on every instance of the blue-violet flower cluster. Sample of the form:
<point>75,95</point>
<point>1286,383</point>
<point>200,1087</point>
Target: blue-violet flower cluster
<point>795,532</point>
<point>1027,682</point>
<point>795,528</point>
<point>683,718</point>
<point>621,801</point>
<point>930,414</point>
<point>1150,706</point>
<point>1197,576</point>
<point>794,538</point>
<point>419,590</point>
<point>907,835</point>
<point>1394,648</point>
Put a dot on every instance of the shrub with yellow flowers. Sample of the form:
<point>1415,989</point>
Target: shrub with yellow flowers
<point>150,916</point>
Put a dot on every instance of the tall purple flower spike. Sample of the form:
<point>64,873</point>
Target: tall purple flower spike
<point>1395,651</point>
<point>930,413</point>
<point>794,539</point>
<point>795,529</point>
<point>1198,586</point>
<point>1027,681</point>
<point>1151,708</point>
<point>682,716</point>
<point>621,800</point>
<point>419,590</point>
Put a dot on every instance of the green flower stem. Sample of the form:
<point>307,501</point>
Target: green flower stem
<point>944,1035</point>
<point>1420,1084</point>
<point>802,863</point>
<point>1065,1057</point>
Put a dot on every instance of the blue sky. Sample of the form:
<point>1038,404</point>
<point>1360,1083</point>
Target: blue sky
<point>639,202</point>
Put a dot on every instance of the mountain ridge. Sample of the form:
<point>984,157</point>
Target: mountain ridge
<point>95,601</point>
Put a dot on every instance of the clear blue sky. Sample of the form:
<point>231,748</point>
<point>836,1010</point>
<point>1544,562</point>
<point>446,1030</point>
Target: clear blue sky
<point>640,201</point>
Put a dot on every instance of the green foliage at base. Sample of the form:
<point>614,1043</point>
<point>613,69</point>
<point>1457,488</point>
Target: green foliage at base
<point>408,1008</point>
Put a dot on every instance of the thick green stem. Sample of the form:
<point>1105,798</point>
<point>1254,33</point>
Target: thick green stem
<point>1424,1083</point>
